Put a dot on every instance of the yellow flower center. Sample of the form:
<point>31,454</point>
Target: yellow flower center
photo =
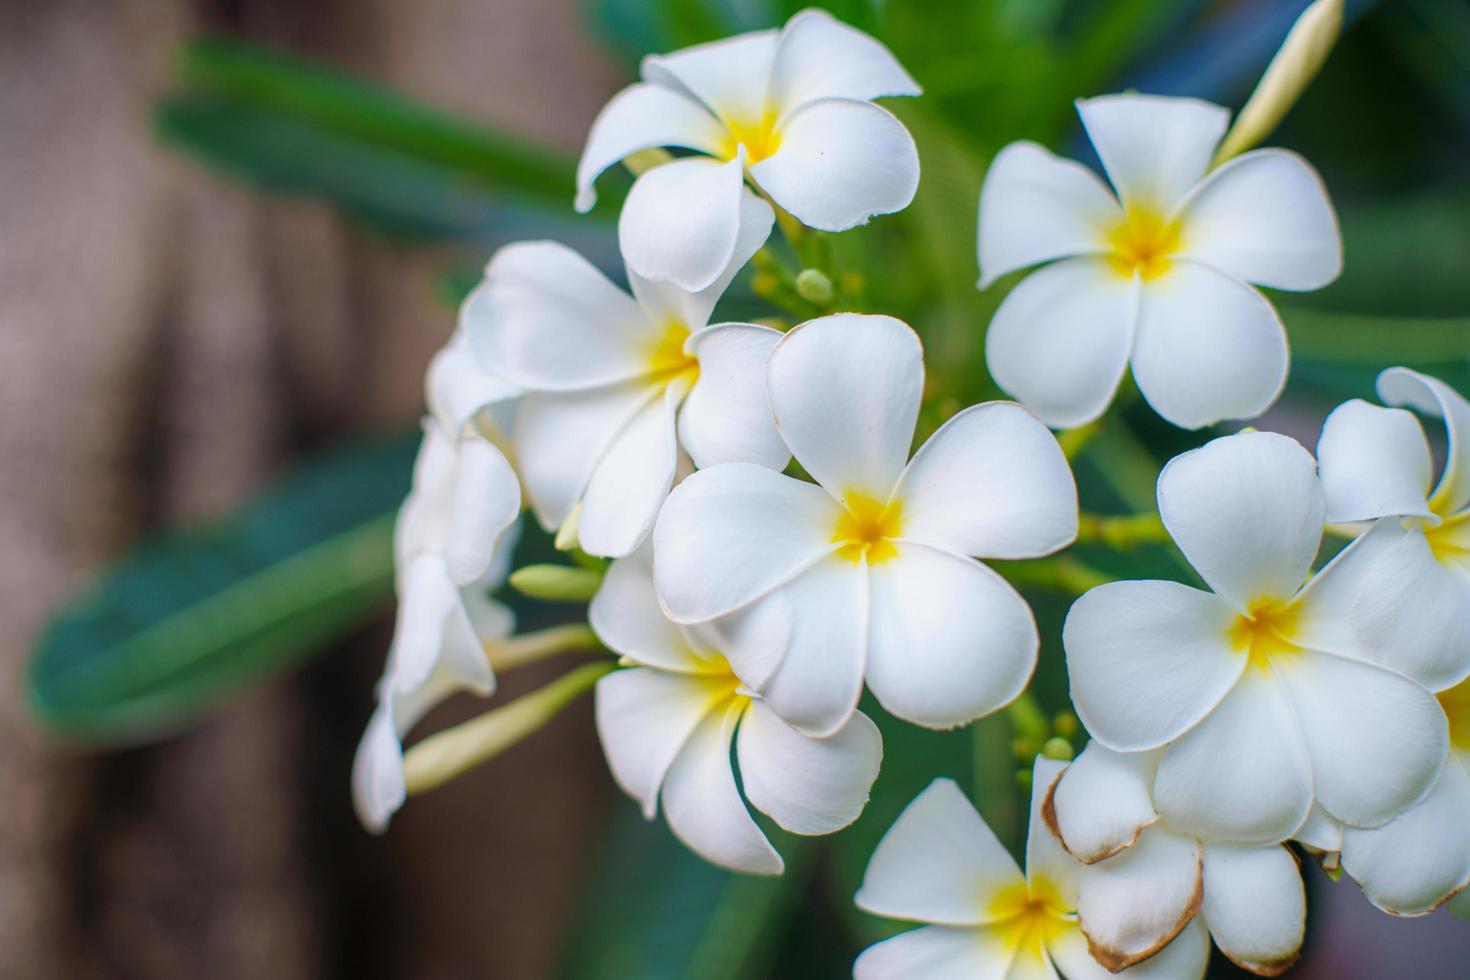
<point>1266,631</point>
<point>759,137</point>
<point>720,683</point>
<point>666,357</point>
<point>1450,540</point>
<point>1029,915</point>
<point>1143,242</point>
<point>1456,705</point>
<point>866,529</point>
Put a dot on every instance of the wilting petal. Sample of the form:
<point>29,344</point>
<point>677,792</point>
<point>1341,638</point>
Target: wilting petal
<point>1060,340</point>
<point>560,439</point>
<point>1400,386</point>
<point>641,117</point>
<point>1185,958</point>
<point>938,953</point>
<point>819,57</point>
<point>487,500</point>
<point>1264,217</point>
<point>732,533</point>
<point>1247,511</point>
<point>1207,348</point>
<point>807,785</point>
<point>840,162</point>
<point>625,615</point>
<point>1148,660</point>
<point>632,479</point>
<point>939,862</point>
<point>1131,905</point>
<point>1101,802</point>
<point>1046,861</point>
<point>1377,739</point>
<point>547,320</point>
<point>1374,463</point>
<point>1255,905</point>
<point>1411,864</point>
<point>729,76</point>
<point>992,482</point>
<point>818,681</point>
<point>727,417</point>
<point>1035,207</point>
<point>644,718</point>
<point>681,221</point>
<point>1154,148</point>
<point>703,805</point>
<point>1242,773</point>
<point>950,640</point>
<point>845,390</point>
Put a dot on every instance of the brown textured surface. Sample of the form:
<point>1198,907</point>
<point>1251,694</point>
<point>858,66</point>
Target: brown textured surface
<point>167,341</point>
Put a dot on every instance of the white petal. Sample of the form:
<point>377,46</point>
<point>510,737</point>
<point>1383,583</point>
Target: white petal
<point>632,479</point>
<point>487,500</point>
<point>681,221</point>
<point>1320,832</point>
<point>1264,217</point>
<point>704,808</point>
<point>1131,905</point>
<point>425,600</point>
<point>626,616</point>
<point>1035,207</point>
<point>938,953</point>
<point>1377,739</point>
<point>1060,340</point>
<point>1400,386</point>
<point>840,162</point>
<point>950,640</point>
<point>1255,905</point>
<point>1101,803</point>
<point>1185,958</point>
<point>819,57</point>
<point>818,681</point>
<point>1241,774</point>
<point>732,533</point>
<point>547,320</point>
<point>1247,511</point>
<point>560,439</point>
<point>665,302</point>
<point>807,785</point>
<point>939,862</point>
<point>644,718</point>
<point>1374,462</point>
<point>1207,348</point>
<point>729,76</point>
<point>378,789</point>
<point>1148,660</point>
<point>1413,863</point>
<point>1046,861</point>
<point>423,519</point>
<point>1154,148</point>
<point>753,640</point>
<point>457,386</point>
<point>845,390</point>
<point>641,117</point>
<point>992,482</point>
<point>727,417</point>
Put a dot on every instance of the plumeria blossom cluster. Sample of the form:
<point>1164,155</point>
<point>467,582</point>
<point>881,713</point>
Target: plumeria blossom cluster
<point>760,543</point>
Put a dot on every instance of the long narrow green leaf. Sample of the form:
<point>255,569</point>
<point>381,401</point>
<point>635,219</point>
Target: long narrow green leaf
<point>193,615</point>
<point>1345,338</point>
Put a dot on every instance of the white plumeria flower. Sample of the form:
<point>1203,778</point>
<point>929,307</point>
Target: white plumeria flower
<point>460,391</point>
<point>618,387</point>
<point>791,110</point>
<point>1145,880</point>
<point>1157,276</point>
<point>941,864</point>
<point>452,543</point>
<point>667,723</point>
<point>1411,598</point>
<point>869,571</point>
<point>1261,709</point>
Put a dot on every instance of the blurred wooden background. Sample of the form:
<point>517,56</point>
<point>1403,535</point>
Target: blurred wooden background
<point>167,341</point>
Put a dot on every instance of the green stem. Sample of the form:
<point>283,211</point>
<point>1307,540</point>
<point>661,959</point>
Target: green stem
<point>528,648</point>
<point>1063,574</point>
<point>1121,532</point>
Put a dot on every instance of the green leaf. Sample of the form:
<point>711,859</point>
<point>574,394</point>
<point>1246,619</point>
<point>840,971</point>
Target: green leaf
<point>193,615</point>
<point>1346,338</point>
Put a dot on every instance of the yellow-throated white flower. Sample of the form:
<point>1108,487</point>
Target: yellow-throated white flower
<point>1262,710</point>
<point>868,572</point>
<point>941,864</point>
<point>667,722</point>
<point>1156,273</point>
<point>791,110</point>
<point>1145,880</point>
<point>619,387</point>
